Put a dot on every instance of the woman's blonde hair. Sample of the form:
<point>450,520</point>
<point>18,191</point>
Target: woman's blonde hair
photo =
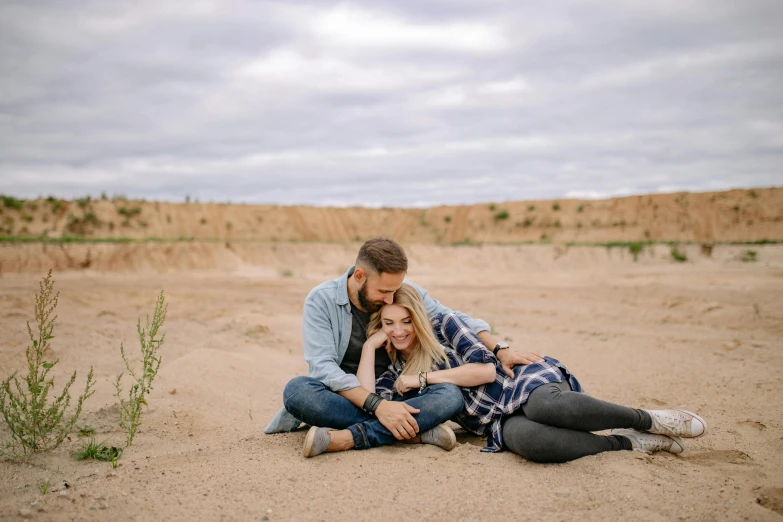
<point>426,352</point>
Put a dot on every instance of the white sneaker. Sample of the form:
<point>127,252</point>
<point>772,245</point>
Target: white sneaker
<point>441,436</point>
<point>675,423</point>
<point>649,442</point>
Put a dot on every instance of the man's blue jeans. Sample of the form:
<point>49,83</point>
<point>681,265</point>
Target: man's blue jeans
<point>315,404</point>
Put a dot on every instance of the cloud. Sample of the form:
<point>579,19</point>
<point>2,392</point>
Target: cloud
<point>388,103</point>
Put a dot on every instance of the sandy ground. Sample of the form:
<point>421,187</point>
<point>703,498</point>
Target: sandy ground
<point>704,335</point>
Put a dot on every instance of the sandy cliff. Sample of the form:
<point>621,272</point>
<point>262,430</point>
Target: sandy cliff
<point>736,215</point>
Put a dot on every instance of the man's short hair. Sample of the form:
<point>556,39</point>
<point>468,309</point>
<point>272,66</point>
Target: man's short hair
<point>383,255</point>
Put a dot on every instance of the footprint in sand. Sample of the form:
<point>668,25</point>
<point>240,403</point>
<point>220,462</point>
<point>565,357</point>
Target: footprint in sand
<point>710,458</point>
<point>772,499</point>
<point>753,424</point>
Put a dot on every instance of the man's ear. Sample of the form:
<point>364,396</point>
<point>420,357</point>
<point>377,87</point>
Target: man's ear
<point>359,275</point>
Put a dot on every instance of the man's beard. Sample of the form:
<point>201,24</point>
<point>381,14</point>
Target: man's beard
<point>369,306</point>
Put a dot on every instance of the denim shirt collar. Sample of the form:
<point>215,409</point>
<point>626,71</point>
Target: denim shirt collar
<point>342,287</point>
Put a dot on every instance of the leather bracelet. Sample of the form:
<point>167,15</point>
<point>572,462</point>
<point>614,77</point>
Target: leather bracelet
<point>371,403</point>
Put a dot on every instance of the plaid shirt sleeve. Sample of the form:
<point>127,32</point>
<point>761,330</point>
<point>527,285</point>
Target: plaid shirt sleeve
<point>452,331</point>
<point>384,386</point>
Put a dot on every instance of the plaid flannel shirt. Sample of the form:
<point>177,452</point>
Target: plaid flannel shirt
<point>485,405</point>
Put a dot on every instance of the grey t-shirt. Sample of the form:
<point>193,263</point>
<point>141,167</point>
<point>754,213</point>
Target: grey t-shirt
<point>350,364</point>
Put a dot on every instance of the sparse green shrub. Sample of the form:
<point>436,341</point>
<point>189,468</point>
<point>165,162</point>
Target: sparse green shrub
<point>531,208</point>
<point>12,202</point>
<point>35,424</point>
<point>580,208</point>
<point>749,256</point>
<point>27,218</point>
<point>501,215</point>
<point>83,202</point>
<point>557,224</point>
<point>57,205</point>
<point>92,219</point>
<point>526,223</point>
<point>130,409</point>
<point>129,212</point>
<point>51,199</point>
<point>203,221</point>
<point>287,273</point>
<point>678,256</point>
<point>556,207</point>
<point>492,207</point>
<point>635,249</point>
<point>753,194</point>
<point>447,219</point>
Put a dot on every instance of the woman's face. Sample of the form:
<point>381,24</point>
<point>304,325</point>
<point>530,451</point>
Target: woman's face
<point>396,322</point>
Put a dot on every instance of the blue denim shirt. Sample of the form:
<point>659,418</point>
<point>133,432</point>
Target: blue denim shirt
<point>326,331</point>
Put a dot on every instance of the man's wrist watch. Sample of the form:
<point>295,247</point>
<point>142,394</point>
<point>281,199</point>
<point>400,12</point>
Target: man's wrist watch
<point>502,345</point>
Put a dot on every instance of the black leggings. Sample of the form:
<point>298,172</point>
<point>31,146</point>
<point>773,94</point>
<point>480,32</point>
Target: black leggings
<point>555,424</point>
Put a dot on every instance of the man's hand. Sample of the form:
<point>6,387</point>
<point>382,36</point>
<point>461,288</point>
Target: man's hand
<point>398,419</point>
<point>510,358</point>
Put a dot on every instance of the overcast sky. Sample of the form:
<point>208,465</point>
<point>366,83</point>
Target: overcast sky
<point>398,103</point>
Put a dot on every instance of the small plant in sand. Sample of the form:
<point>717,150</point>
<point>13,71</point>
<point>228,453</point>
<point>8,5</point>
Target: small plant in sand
<point>635,249</point>
<point>749,256</point>
<point>37,424</point>
<point>678,256</point>
<point>97,451</point>
<point>150,341</point>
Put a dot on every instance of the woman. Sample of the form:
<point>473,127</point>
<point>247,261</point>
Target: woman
<point>540,413</point>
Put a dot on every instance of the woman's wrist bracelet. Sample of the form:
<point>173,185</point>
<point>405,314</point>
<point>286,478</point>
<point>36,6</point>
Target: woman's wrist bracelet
<point>422,381</point>
<point>371,403</point>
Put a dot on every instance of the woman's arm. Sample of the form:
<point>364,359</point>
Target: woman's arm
<point>466,376</point>
<point>366,371</point>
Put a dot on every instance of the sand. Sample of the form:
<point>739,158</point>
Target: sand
<point>704,334</point>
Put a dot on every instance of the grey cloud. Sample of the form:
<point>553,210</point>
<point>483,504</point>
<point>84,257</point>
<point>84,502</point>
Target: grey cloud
<point>150,100</point>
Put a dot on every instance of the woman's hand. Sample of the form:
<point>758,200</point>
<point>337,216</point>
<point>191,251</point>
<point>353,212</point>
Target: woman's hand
<point>406,383</point>
<point>377,340</point>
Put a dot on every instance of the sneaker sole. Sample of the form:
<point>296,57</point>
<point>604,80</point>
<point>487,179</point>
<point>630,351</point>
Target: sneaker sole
<point>308,443</point>
<point>678,443</point>
<point>452,440</point>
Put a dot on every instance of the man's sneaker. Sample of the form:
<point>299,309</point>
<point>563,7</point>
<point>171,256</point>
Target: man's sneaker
<point>441,436</point>
<point>649,442</point>
<point>675,423</point>
<point>316,441</point>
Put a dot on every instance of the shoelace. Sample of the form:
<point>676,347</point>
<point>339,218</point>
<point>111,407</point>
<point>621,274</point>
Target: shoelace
<point>650,442</point>
<point>671,421</point>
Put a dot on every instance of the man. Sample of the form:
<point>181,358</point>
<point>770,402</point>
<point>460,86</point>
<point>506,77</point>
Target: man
<point>336,314</point>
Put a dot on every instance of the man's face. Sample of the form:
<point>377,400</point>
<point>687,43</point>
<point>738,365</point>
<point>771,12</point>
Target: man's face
<point>378,290</point>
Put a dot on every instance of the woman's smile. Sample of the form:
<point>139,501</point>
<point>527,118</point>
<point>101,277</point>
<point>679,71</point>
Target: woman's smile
<point>396,323</point>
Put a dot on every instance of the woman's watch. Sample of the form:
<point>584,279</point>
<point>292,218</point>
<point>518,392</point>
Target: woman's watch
<point>502,345</point>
